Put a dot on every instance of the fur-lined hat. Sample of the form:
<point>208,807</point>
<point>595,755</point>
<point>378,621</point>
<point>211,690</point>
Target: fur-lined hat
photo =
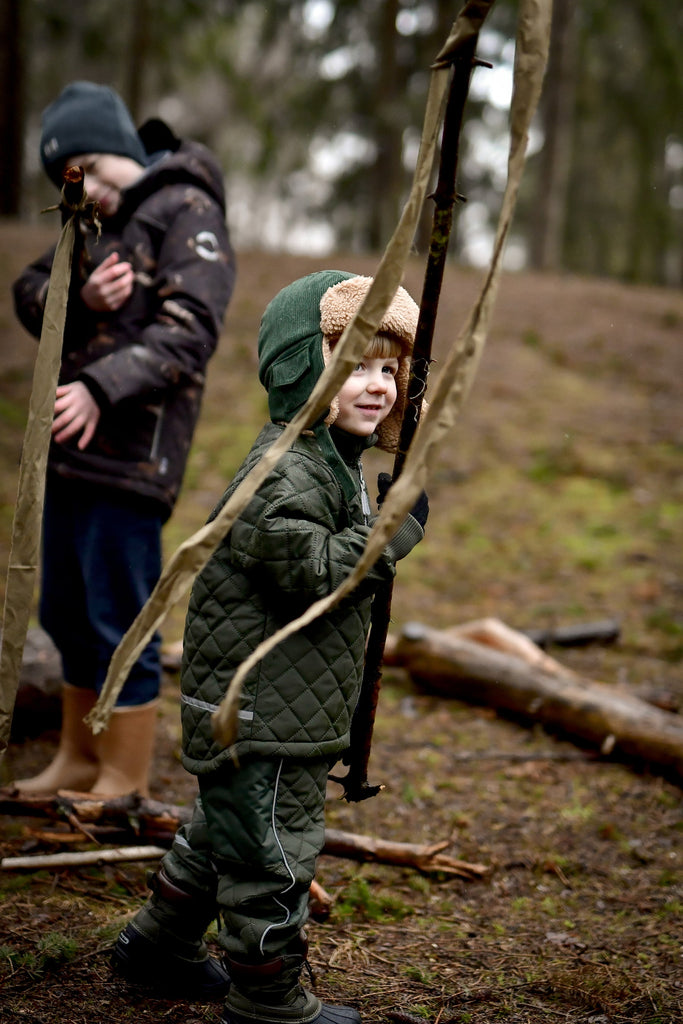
<point>299,327</point>
<point>337,308</point>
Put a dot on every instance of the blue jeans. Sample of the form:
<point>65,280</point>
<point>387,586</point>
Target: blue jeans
<point>101,560</point>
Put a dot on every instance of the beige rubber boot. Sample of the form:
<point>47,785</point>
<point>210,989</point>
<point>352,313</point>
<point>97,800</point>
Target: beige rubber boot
<point>125,751</point>
<point>75,764</point>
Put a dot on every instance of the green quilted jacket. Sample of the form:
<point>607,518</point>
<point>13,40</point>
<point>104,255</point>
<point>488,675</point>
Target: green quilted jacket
<point>298,538</point>
<point>294,543</point>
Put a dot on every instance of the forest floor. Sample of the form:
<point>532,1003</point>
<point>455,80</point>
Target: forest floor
<point>557,502</point>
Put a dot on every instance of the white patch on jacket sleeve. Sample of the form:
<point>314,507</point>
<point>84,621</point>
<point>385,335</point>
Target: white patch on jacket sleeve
<point>206,245</point>
<point>177,312</point>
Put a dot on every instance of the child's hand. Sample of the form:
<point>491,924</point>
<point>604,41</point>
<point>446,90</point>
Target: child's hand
<point>383,485</point>
<point>419,511</point>
<point>75,410</point>
<point>109,285</point>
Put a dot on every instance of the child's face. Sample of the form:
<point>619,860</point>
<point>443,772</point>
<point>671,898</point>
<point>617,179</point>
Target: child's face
<point>368,396</point>
<point>106,174</point>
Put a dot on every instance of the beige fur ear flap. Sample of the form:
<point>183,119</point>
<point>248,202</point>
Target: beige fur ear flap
<point>389,432</point>
<point>334,404</point>
<point>340,302</point>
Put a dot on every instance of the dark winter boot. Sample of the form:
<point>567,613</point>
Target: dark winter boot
<point>326,1015</point>
<point>162,947</point>
<point>286,1000</point>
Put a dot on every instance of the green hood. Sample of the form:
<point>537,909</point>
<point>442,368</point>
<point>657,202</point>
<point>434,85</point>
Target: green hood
<point>290,349</point>
<point>290,343</point>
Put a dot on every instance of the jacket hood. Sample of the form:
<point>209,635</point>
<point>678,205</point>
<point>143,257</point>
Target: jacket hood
<point>172,161</point>
<point>290,343</point>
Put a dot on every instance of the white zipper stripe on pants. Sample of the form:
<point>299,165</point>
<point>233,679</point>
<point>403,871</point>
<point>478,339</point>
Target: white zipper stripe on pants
<point>284,861</point>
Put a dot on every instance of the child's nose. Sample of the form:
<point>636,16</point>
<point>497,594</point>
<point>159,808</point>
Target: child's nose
<point>378,381</point>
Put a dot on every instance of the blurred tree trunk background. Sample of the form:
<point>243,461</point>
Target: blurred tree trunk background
<point>314,108</point>
<point>12,109</point>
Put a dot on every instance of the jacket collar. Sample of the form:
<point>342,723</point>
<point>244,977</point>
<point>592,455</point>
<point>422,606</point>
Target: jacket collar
<point>350,446</point>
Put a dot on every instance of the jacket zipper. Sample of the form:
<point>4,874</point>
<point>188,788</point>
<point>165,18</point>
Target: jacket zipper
<point>154,448</point>
<point>364,496</point>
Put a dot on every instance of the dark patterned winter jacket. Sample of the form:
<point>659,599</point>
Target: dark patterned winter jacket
<point>145,363</point>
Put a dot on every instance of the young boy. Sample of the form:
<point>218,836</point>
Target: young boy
<point>144,315</point>
<point>258,826</point>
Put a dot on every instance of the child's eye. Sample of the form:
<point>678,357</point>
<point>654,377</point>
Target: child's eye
<point>390,368</point>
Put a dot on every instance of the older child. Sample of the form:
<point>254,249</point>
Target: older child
<point>258,825</point>
<point>143,318</point>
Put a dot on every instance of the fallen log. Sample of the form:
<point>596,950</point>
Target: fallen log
<point>38,704</point>
<point>144,817</point>
<point>500,675</point>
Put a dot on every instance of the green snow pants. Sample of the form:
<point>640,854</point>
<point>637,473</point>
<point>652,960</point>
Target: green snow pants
<point>251,847</point>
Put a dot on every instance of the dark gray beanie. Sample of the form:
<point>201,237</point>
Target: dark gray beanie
<point>87,118</point>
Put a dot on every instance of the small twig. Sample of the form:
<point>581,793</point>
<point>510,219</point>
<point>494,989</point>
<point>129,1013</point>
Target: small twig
<point>320,902</point>
<point>80,827</point>
<point>427,859</point>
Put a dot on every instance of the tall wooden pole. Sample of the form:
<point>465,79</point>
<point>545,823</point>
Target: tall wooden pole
<point>355,783</point>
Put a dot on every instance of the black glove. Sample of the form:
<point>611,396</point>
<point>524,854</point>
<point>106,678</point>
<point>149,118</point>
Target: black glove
<point>383,485</point>
<point>419,511</point>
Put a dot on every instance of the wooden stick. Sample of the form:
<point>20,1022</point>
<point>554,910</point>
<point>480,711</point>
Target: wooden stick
<point>428,859</point>
<point>355,782</point>
<point>356,847</point>
<point>319,902</point>
<point>62,860</point>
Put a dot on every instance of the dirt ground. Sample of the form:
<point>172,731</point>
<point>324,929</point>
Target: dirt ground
<point>558,502</point>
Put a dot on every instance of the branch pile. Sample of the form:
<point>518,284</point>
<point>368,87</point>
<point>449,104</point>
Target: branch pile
<point>135,820</point>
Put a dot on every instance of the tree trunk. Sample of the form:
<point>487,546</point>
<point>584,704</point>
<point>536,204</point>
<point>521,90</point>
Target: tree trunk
<point>557,111</point>
<point>444,662</point>
<point>140,43</point>
<point>387,171</point>
<point>12,67</point>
